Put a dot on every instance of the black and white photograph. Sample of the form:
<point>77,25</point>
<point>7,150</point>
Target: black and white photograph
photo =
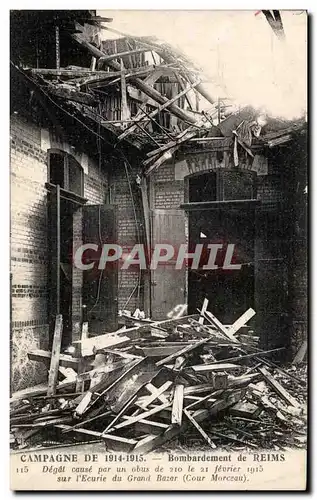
<point>158,250</point>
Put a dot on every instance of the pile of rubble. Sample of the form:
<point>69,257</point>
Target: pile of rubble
<point>189,379</point>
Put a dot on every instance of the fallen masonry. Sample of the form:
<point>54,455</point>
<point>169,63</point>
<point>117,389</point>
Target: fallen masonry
<point>188,382</point>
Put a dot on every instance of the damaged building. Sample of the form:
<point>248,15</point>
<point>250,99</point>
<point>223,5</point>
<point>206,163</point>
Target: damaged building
<point>119,141</point>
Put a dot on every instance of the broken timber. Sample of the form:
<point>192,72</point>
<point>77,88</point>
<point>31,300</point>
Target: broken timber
<point>278,388</point>
<point>185,350</point>
<point>177,408</point>
<point>150,91</point>
<point>56,349</point>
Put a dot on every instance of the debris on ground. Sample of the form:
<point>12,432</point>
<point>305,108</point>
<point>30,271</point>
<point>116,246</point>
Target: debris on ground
<point>182,382</point>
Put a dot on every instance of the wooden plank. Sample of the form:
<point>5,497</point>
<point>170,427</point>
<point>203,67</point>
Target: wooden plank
<point>220,327</point>
<point>121,412</point>
<point>244,409</point>
<point>119,55</point>
<point>198,389</point>
<point>148,90</point>
<point>96,82</point>
<point>103,369</point>
<point>201,401</point>
<point>164,152</point>
<point>150,80</point>
<point>213,367</point>
<point>179,363</point>
<point>74,73</point>
<point>276,386</point>
<point>68,373</point>
<point>132,420</point>
<point>132,386</point>
<point>159,351</point>
<point>171,58</point>
<point>38,390</point>
<point>72,94</point>
<point>146,210</point>
<point>65,360</point>
<point>235,327</point>
<point>301,353</point>
<point>122,354</point>
<point>149,426</point>
<point>80,384</point>
<point>125,111</point>
<point>183,86</point>
<point>257,355</point>
<point>151,442</point>
<point>177,408</point>
<point>156,393</point>
<point>89,346</point>
<point>110,439</point>
<point>147,221</point>
<point>185,350</point>
<point>87,421</point>
<point>199,429</point>
<point>229,400</point>
<point>56,349</point>
<point>84,404</point>
<point>203,310</point>
<point>162,107</point>
<point>152,390</point>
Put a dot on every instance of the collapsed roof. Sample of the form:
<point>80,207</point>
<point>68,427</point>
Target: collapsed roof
<point>143,92</point>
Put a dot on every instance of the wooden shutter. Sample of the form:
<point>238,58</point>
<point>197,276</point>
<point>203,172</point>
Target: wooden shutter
<point>271,277</point>
<point>100,287</point>
<point>168,285</point>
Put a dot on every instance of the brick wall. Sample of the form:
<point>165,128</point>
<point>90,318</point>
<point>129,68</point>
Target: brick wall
<point>130,230</point>
<point>29,248</point>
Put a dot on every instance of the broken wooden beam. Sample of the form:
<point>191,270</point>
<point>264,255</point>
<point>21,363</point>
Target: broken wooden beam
<point>220,327</point>
<point>177,408</point>
<point>56,349</point>
<point>103,387</point>
<point>91,345</point>
<point>148,90</point>
<point>148,426</point>
<point>145,116</point>
<point>277,387</point>
<point>119,55</point>
<point>151,442</point>
<point>184,350</point>
<point>245,409</point>
<point>72,93</point>
<point>256,355</point>
<point>131,420</point>
<point>199,429</point>
<point>213,367</point>
<point>65,360</point>
<point>125,111</point>
<point>156,394</point>
<point>74,73</point>
<point>203,310</point>
<point>301,353</point>
<point>235,327</point>
<point>114,442</point>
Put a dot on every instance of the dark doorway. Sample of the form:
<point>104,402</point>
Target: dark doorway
<point>100,286</point>
<point>230,291</point>
<point>65,185</point>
